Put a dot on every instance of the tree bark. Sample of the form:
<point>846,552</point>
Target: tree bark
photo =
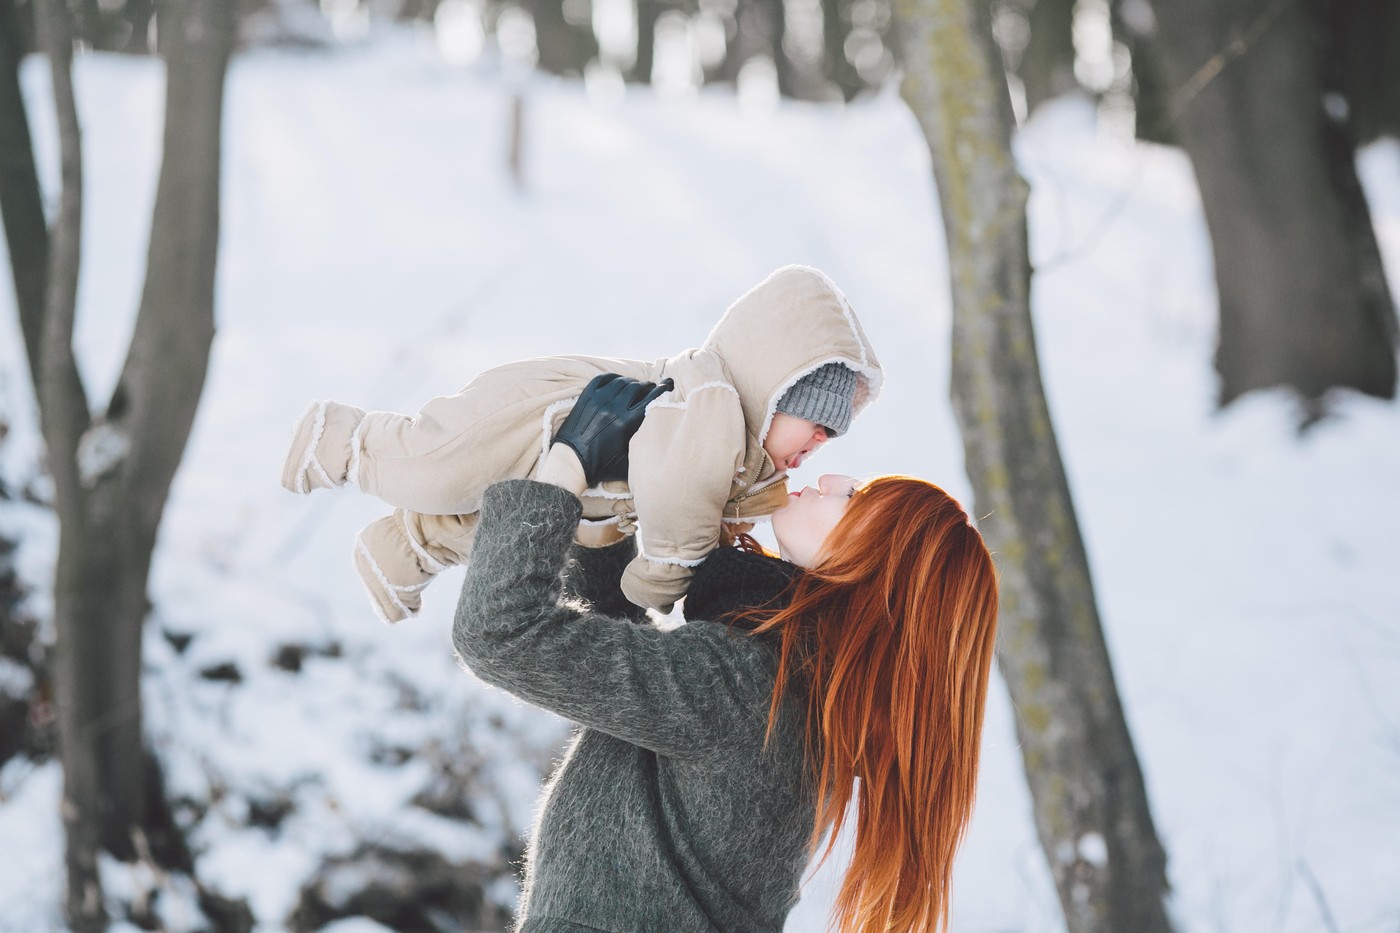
<point>1303,297</point>
<point>112,475</point>
<point>156,397</point>
<point>1132,26</point>
<point>745,36</point>
<point>759,27</point>
<point>63,418</point>
<point>21,202</point>
<point>836,67</point>
<point>564,49</point>
<point>788,80</point>
<point>137,15</point>
<point>1091,808</point>
<point>1364,64</point>
<point>1047,64</point>
<point>648,13</point>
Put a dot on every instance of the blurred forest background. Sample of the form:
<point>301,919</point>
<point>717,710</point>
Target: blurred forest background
<point>1271,101</point>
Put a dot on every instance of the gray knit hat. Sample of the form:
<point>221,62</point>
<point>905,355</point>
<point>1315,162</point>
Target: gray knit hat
<point>825,395</point>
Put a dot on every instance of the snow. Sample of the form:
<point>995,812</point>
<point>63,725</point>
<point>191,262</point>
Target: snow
<point>354,925</point>
<point>1093,849</point>
<point>101,448</point>
<point>374,250</point>
<point>16,680</point>
<point>31,856</point>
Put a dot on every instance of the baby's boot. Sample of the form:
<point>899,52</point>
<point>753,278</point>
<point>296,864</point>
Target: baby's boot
<point>394,568</point>
<point>324,447</point>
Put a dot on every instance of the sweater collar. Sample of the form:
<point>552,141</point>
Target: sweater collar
<point>731,580</point>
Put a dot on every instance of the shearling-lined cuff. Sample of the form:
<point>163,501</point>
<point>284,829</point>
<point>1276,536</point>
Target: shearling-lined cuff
<point>598,534</point>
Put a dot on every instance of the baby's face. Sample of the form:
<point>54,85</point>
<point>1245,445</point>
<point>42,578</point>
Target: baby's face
<point>790,440</point>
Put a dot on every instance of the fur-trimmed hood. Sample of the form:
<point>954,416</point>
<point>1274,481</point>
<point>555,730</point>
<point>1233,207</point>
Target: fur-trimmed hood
<point>780,330</point>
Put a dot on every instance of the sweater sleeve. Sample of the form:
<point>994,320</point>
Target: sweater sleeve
<point>594,578</point>
<point>685,693</point>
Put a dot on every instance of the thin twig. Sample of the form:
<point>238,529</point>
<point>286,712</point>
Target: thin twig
<point>1223,59</point>
<point>1318,895</point>
<point>1180,100</point>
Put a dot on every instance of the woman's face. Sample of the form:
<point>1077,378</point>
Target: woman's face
<point>802,526</point>
<point>790,439</point>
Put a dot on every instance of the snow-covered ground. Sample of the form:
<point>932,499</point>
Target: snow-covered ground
<point>375,251</point>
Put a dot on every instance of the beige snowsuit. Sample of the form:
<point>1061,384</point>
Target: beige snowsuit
<point>696,462</point>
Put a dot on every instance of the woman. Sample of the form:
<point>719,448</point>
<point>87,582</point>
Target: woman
<point>715,756</point>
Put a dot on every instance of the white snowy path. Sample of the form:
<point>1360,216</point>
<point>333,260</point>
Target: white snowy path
<point>375,251</point>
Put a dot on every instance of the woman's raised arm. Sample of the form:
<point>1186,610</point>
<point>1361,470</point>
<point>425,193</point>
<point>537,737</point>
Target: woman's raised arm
<point>690,692</point>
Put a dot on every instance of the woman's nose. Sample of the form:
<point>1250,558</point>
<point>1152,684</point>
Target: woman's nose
<point>834,482</point>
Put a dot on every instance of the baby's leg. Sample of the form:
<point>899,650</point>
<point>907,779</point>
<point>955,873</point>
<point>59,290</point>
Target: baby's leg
<point>440,461</point>
<point>413,462</point>
<point>397,557</point>
<point>319,457</point>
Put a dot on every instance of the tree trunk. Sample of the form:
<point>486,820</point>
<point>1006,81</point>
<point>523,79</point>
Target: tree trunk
<point>112,475</point>
<point>21,203</point>
<point>63,418</point>
<point>515,155</point>
<point>1364,64</point>
<point>836,66</point>
<point>787,72</point>
<point>648,13</point>
<point>1091,807</point>
<point>1047,64</point>
<point>745,36</point>
<point>90,25</point>
<point>155,400</point>
<point>1133,26</point>
<point>118,27</point>
<point>564,49</point>
<point>760,26</point>
<point>137,15</point>
<point>1303,297</point>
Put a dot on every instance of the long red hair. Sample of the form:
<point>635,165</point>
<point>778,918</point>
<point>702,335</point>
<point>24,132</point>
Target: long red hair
<point>893,632</point>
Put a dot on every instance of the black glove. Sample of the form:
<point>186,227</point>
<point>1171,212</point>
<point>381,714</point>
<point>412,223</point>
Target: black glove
<point>602,423</point>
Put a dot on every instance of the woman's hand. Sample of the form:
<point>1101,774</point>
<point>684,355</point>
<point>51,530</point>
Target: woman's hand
<point>591,445</point>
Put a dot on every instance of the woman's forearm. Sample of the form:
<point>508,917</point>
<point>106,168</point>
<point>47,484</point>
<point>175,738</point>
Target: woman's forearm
<point>684,693</point>
<point>524,533</point>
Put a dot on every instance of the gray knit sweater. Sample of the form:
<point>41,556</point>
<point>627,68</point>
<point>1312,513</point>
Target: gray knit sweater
<point>667,813</point>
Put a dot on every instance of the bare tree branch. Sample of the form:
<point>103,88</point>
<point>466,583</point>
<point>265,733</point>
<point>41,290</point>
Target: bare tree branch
<point>63,418</point>
<point>21,201</point>
<point>63,403</point>
<point>155,399</point>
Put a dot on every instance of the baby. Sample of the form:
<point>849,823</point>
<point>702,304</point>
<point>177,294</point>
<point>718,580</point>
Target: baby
<point>787,367</point>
